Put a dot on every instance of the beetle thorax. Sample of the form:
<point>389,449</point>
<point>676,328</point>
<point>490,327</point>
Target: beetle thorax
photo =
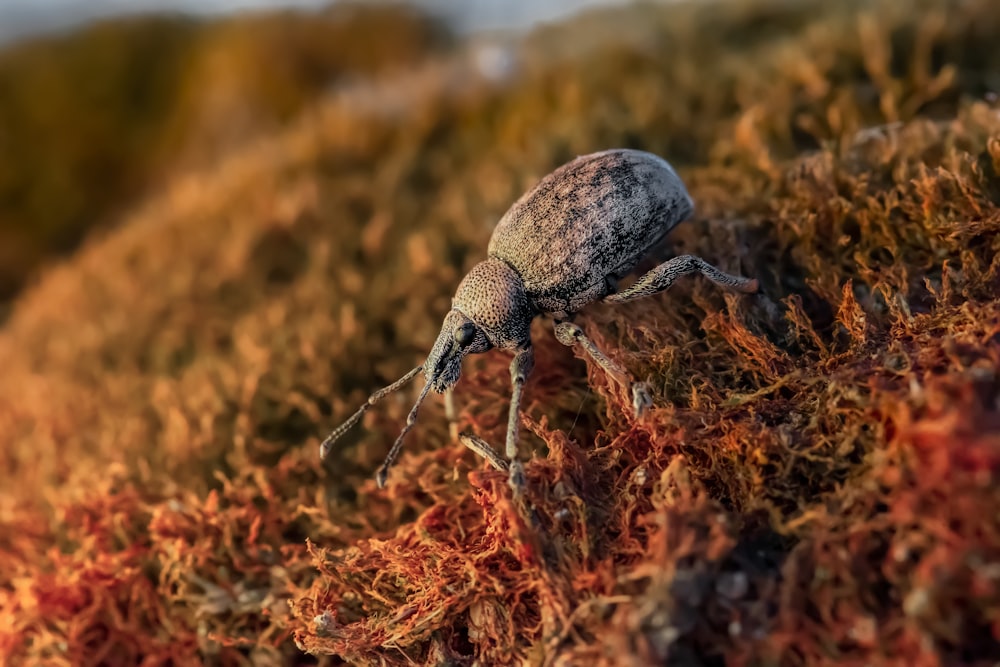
<point>492,295</point>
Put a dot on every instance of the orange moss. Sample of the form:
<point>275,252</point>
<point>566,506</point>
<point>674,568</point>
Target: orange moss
<point>816,483</point>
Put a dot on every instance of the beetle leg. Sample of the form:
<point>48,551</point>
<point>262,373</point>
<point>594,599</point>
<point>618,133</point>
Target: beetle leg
<point>570,334</point>
<point>520,367</point>
<point>483,448</point>
<point>664,275</point>
<point>516,480</point>
<point>449,413</point>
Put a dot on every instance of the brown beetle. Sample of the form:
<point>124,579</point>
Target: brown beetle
<point>565,243</point>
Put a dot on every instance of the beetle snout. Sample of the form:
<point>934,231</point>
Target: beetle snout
<point>443,370</point>
<point>444,363</point>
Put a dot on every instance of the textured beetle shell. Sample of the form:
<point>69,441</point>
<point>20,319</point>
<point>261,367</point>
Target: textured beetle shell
<point>588,224</point>
<point>492,296</point>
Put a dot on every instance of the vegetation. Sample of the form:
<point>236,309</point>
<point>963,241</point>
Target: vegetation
<point>92,120</point>
<point>816,484</point>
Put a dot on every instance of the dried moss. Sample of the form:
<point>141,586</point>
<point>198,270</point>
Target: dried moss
<point>817,483</point>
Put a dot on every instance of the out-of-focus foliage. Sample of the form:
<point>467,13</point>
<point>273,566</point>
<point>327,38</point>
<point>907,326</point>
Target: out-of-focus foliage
<point>91,119</point>
<point>79,119</point>
<point>817,483</point>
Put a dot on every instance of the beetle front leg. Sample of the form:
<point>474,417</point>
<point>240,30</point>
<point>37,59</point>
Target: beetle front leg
<point>520,368</point>
<point>664,275</point>
<point>450,414</point>
<point>516,480</point>
<point>483,448</point>
<point>570,334</point>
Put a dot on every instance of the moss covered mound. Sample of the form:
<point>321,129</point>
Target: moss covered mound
<point>816,484</point>
<point>92,120</point>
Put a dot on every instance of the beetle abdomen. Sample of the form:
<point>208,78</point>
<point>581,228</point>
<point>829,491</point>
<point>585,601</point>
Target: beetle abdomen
<point>590,220</point>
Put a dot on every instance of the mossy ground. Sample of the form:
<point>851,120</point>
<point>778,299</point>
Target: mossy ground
<point>816,484</point>
<point>94,119</point>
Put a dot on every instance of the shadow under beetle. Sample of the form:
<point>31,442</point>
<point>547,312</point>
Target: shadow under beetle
<point>563,244</point>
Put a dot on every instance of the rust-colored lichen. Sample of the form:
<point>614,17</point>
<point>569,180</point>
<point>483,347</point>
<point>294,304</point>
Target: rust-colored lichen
<point>817,482</point>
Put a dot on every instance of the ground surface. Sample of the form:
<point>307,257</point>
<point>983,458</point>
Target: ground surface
<point>816,484</point>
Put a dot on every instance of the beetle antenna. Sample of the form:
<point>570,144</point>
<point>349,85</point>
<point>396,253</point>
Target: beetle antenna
<point>327,445</point>
<point>393,454</point>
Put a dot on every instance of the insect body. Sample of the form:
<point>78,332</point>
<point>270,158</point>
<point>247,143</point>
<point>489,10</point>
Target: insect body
<point>564,244</point>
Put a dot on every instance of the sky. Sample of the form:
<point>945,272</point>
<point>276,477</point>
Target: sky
<point>20,18</point>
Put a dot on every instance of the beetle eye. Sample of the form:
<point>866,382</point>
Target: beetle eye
<point>465,333</point>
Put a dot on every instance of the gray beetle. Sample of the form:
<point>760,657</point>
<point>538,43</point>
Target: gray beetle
<point>563,244</point>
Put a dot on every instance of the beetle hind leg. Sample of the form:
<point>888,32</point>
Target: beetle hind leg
<point>663,276</point>
<point>570,335</point>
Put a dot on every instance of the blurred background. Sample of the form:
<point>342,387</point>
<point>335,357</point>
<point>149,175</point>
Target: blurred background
<point>100,100</point>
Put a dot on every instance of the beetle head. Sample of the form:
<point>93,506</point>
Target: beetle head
<point>489,310</point>
<point>459,337</point>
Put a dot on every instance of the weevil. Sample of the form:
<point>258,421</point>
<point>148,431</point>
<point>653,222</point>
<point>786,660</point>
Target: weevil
<point>564,244</point>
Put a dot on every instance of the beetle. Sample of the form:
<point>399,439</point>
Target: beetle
<point>564,244</point>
